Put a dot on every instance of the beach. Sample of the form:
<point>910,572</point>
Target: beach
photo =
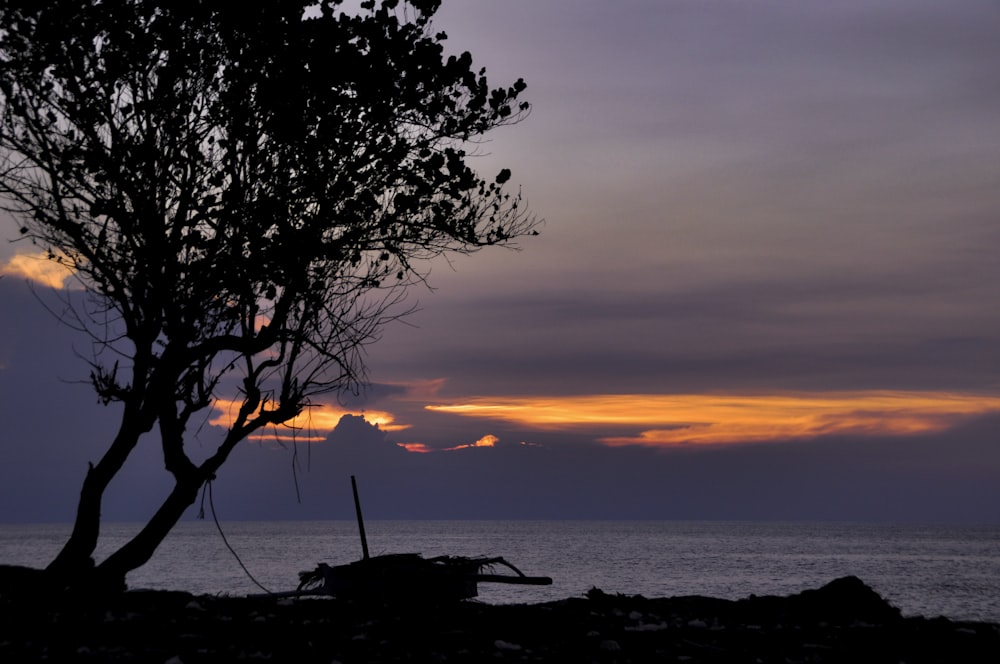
<point>842,621</point>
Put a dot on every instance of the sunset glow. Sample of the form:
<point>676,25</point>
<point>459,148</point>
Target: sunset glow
<point>312,425</point>
<point>676,419</point>
<point>489,440</point>
<point>419,448</point>
<point>759,291</point>
<point>39,268</point>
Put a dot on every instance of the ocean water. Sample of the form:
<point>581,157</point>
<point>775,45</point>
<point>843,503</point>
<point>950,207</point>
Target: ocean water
<point>929,570</point>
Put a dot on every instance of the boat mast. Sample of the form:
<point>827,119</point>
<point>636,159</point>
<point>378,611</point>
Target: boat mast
<point>361,521</point>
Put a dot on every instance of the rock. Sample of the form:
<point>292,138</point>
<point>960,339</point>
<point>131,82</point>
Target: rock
<point>504,645</point>
<point>845,600</point>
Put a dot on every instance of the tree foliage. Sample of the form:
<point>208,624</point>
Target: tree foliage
<point>244,190</point>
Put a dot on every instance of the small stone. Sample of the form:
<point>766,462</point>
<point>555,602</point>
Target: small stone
<point>504,645</point>
<point>610,646</point>
<point>648,627</point>
<point>700,624</point>
<point>816,646</point>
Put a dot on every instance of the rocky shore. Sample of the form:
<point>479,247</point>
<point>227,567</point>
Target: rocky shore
<point>844,621</point>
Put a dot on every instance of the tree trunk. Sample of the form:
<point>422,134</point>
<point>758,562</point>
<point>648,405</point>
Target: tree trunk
<point>189,479</point>
<point>75,560</point>
<point>136,552</point>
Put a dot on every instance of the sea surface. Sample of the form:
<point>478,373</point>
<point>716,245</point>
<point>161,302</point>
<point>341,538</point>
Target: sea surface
<point>929,570</point>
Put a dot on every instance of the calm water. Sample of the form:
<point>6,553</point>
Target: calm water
<point>952,571</point>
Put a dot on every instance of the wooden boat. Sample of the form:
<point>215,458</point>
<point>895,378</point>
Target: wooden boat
<point>410,575</point>
<point>407,576</point>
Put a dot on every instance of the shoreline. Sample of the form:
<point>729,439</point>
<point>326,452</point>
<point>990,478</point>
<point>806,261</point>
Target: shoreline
<point>844,620</point>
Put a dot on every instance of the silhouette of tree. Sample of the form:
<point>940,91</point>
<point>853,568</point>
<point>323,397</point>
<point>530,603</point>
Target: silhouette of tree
<point>244,191</point>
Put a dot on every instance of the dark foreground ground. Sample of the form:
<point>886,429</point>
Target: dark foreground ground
<point>844,621</point>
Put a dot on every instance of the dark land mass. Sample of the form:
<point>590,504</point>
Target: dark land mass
<point>844,621</point>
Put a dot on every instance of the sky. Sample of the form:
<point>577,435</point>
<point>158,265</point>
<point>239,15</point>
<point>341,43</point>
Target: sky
<point>765,288</point>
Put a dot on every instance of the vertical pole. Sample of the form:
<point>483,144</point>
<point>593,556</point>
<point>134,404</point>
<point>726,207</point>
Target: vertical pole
<point>361,521</point>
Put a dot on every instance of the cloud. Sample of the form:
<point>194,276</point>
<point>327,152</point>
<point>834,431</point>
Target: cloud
<point>799,195</point>
<point>312,425</point>
<point>678,419</point>
<point>377,392</point>
<point>397,401</point>
<point>949,476</point>
<point>489,440</point>
<point>39,267</point>
<point>418,448</point>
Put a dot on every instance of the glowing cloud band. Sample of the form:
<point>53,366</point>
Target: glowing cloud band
<point>675,419</point>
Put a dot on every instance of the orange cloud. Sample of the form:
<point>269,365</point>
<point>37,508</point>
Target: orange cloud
<point>38,267</point>
<point>673,419</point>
<point>312,425</point>
<point>419,448</point>
<point>489,440</point>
